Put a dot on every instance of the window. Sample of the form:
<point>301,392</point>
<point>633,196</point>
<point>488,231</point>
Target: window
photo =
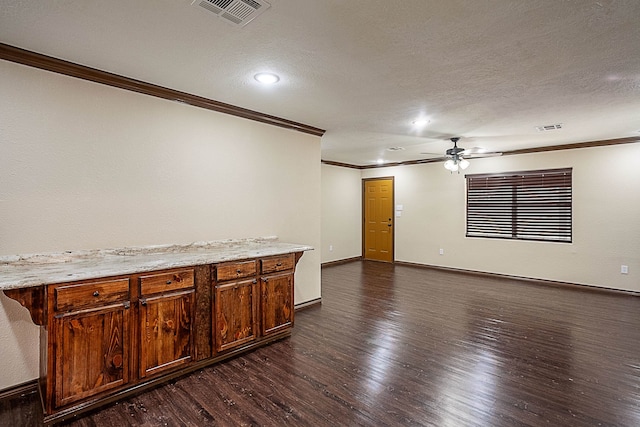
<point>531,205</point>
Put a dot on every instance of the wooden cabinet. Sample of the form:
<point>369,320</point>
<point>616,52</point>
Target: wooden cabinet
<point>103,339</point>
<point>276,291</point>
<point>237,301</point>
<point>90,335</point>
<point>166,321</point>
<point>235,305</point>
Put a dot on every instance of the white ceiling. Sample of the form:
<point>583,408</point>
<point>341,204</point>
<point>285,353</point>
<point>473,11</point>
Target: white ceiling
<point>488,71</point>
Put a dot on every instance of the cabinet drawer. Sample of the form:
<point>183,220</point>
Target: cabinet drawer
<point>280,263</point>
<point>235,270</point>
<point>81,295</point>
<point>167,281</point>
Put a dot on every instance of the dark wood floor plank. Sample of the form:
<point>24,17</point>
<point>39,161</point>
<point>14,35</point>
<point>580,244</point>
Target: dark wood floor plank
<point>407,346</point>
<point>21,409</point>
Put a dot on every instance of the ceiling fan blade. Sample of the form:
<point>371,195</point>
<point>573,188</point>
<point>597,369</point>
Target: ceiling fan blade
<point>432,160</point>
<point>460,153</point>
<point>477,152</point>
<point>481,155</point>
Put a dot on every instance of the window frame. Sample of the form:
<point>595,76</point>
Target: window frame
<point>522,202</point>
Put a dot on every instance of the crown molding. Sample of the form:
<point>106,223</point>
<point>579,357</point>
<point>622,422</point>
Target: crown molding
<point>573,146</point>
<point>49,63</point>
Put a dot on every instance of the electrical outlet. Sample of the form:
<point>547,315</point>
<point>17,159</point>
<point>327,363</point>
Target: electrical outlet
<point>330,248</point>
<point>441,251</point>
<point>624,269</point>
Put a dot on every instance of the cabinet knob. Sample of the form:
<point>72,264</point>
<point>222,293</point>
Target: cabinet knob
<point>96,294</point>
<point>168,282</point>
<point>238,271</point>
<point>254,281</point>
<point>127,304</point>
<point>143,302</point>
<point>279,264</point>
<point>266,279</point>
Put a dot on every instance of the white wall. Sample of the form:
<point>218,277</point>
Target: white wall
<point>86,166</point>
<point>606,229</point>
<point>341,213</point>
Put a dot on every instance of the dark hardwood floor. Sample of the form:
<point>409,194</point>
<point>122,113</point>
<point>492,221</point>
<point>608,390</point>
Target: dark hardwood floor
<point>400,345</point>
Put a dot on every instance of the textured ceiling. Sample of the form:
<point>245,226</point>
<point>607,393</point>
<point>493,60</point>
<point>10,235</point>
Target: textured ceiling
<point>487,71</point>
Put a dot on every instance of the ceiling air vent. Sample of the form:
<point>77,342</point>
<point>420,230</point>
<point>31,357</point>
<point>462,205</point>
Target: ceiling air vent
<point>547,128</point>
<point>236,12</point>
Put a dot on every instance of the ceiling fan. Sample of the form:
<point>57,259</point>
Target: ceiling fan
<point>456,157</point>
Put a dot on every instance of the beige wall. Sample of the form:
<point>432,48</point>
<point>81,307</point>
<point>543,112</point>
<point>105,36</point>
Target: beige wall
<point>341,213</point>
<point>87,166</point>
<point>606,229</point>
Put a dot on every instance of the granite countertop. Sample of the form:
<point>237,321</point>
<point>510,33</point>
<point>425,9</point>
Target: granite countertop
<point>24,271</point>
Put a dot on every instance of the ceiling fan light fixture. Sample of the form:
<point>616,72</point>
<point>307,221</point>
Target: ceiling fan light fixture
<point>463,164</point>
<point>451,165</point>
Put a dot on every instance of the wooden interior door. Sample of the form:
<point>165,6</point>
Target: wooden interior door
<point>378,219</point>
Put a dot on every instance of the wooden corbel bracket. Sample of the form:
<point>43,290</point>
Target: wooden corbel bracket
<point>32,299</point>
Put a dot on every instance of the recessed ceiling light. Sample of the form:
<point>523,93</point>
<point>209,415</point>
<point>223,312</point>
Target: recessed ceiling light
<point>267,78</point>
<point>395,148</point>
<point>421,122</point>
<point>380,161</point>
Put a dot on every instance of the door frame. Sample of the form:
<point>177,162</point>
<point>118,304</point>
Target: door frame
<point>393,217</point>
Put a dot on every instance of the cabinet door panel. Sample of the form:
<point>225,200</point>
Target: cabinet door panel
<point>277,303</point>
<point>91,352</point>
<point>166,323</point>
<point>235,314</point>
